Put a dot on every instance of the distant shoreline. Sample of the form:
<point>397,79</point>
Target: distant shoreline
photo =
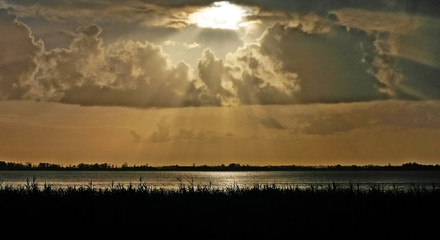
<point>232,167</point>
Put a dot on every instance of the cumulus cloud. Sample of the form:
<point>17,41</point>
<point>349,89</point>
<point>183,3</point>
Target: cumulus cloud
<point>125,73</point>
<point>163,132</point>
<point>191,45</point>
<point>212,73</point>
<point>303,56</point>
<point>245,77</point>
<point>184,44</point>
<point>138,74</point>
<point>260,79</point>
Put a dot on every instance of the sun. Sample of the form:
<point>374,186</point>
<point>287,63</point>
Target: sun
<point>220,15</point>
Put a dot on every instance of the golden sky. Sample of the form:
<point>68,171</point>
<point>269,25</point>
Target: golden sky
<point>214,82</point>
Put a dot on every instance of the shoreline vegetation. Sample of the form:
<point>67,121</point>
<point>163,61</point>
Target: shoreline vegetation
<point>203,212</point>
<point>193,211</point>
<point>230,167</point>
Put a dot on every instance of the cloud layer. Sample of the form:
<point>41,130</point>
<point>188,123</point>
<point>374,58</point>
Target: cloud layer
<point>315,52</point>
<point>378,132</point>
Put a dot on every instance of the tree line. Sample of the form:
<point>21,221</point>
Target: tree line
<point>230,167</point>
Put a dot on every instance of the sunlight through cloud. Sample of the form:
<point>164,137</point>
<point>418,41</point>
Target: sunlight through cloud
<point>220,15</point>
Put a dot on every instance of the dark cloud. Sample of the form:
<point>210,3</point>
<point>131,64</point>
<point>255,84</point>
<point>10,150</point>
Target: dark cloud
<point>137,138</point>
<point>172,13</point>
<point>403,50</point>
<point>185,134</point>
<point>323,7</point>
<point>220,41</point>
<point>421,44</point>
<point>396,115</point>
<point>421,81</point>
<point>55,39</point>
<point>201,135</point>
<point>115,11</point>
<point>18,53</point>
<point>163,134</point>
<point>252,89</point>
<point>334,123</point>
<point>330,66</point>
<point>272,123</point>
<point>121,20</point>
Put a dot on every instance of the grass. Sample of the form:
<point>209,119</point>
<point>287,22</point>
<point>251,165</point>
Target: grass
<point>261,211</point>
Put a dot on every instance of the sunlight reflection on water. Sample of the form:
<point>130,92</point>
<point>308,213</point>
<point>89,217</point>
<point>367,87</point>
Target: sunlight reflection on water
<point>221,180</point>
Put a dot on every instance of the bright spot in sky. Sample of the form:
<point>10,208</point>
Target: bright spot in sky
<point>220,15</point>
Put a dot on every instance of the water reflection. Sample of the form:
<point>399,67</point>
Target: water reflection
<point>222,180</point>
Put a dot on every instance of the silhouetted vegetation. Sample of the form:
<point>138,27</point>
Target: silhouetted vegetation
<point>230,167</point>
<point>204,212</point>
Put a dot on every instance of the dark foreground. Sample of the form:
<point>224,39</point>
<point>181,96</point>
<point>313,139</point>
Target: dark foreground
<point>262,212</point>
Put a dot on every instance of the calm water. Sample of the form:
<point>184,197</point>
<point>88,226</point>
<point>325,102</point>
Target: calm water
<point>172,179</point>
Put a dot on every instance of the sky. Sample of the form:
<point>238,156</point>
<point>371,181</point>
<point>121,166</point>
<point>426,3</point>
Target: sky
<point>166,82</point>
